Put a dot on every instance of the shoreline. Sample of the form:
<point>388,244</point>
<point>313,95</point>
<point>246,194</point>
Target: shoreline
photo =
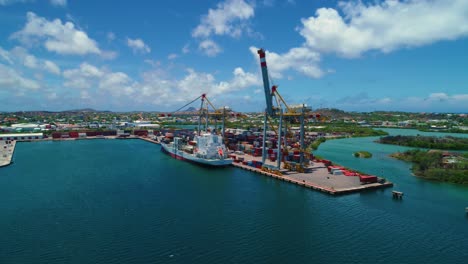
<point>452,174</point>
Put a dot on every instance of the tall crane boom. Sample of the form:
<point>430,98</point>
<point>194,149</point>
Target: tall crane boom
<point>266,83</point>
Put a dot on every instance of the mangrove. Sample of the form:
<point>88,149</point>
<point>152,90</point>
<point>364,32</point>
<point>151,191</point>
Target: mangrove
<point>430,142</point>
<point>437,165</point>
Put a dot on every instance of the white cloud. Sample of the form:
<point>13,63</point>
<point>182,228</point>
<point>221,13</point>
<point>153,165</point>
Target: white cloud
<point>186,49</point>
<point>157,88</point>
<point>385,100</point>
<point>82,77</point>
<point>381,25</point>
<point>90,78</point>
<point>109,55</point>
<point>84,94</point>
<point>10,79</point>
<point>51,67</point>
<point>52,96</point>
<point>446,98</point>
<point>438,97</point>
<point>384,25</point>
<point>172,56</point>
<point>137,45</point>
<point>117,83</point>
<point>5,55</point>
<point>10,2</point>
<point>432,103</point>
<point>268,3</point>
<point>30,62</point>
<point>209,47</point>
<point>153,62</point>
<point>460,97</point>
<point>89,70</point>
<point>58,2</point>
<point>244,79</point>
<point>227,19</point>
<point>20,56</point>
<point>110,36</point>
<point>300,59</point>
<point>195,83</point>
<point>62,38</point>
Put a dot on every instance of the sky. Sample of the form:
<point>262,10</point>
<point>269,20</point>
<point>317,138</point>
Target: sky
<point>407,55</point>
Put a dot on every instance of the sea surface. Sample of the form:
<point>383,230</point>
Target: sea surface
<point>123,201</point>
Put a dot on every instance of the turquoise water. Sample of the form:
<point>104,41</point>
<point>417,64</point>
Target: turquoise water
<point>111,201</point>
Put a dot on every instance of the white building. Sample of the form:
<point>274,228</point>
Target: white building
<point>22,136</point>
<point>25,127</point>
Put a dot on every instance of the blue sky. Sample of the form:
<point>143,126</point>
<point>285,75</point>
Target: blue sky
<point>409,55</point>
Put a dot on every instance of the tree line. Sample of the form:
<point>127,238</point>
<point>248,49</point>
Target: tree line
<point>430,142</point>
<point>434,166</point>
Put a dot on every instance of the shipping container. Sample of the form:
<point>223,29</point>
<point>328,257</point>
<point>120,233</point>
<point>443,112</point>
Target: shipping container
<point>109,133</point>
<point>90,133</point>
<point>140,133</point>
<point>367,178</point>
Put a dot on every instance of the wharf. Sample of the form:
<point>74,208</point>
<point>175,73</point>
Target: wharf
<point>6,152</point>
<point>316,177</point>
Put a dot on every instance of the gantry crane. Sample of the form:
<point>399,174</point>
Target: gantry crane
<point>282,109</point>
<point>204,112</point>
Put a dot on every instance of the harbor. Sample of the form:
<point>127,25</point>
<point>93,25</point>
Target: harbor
<point>316,176</point>
<point>103,192</point>
<point>234,131</point>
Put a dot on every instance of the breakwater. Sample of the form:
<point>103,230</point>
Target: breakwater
<point>7,149</point>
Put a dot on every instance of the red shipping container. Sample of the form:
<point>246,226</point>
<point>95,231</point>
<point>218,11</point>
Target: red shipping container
<point>367,178</point>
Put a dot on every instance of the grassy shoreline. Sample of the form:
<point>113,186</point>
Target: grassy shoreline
<point>437,165</point>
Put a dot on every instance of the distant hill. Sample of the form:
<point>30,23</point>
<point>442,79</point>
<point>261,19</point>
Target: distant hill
<point>191,109</point>
<point>85,110</point>
<point>333,112</point>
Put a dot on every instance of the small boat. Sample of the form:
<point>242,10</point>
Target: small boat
<point>206,149</point>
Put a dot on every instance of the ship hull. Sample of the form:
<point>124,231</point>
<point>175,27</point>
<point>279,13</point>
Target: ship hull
<point>181,155</point>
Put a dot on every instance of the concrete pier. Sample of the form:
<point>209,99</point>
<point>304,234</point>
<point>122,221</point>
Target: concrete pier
<point>149,140</point>
<point>7,148</point>
<point>317,177</point>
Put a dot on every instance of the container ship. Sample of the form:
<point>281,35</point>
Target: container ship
<point>205,149</point>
